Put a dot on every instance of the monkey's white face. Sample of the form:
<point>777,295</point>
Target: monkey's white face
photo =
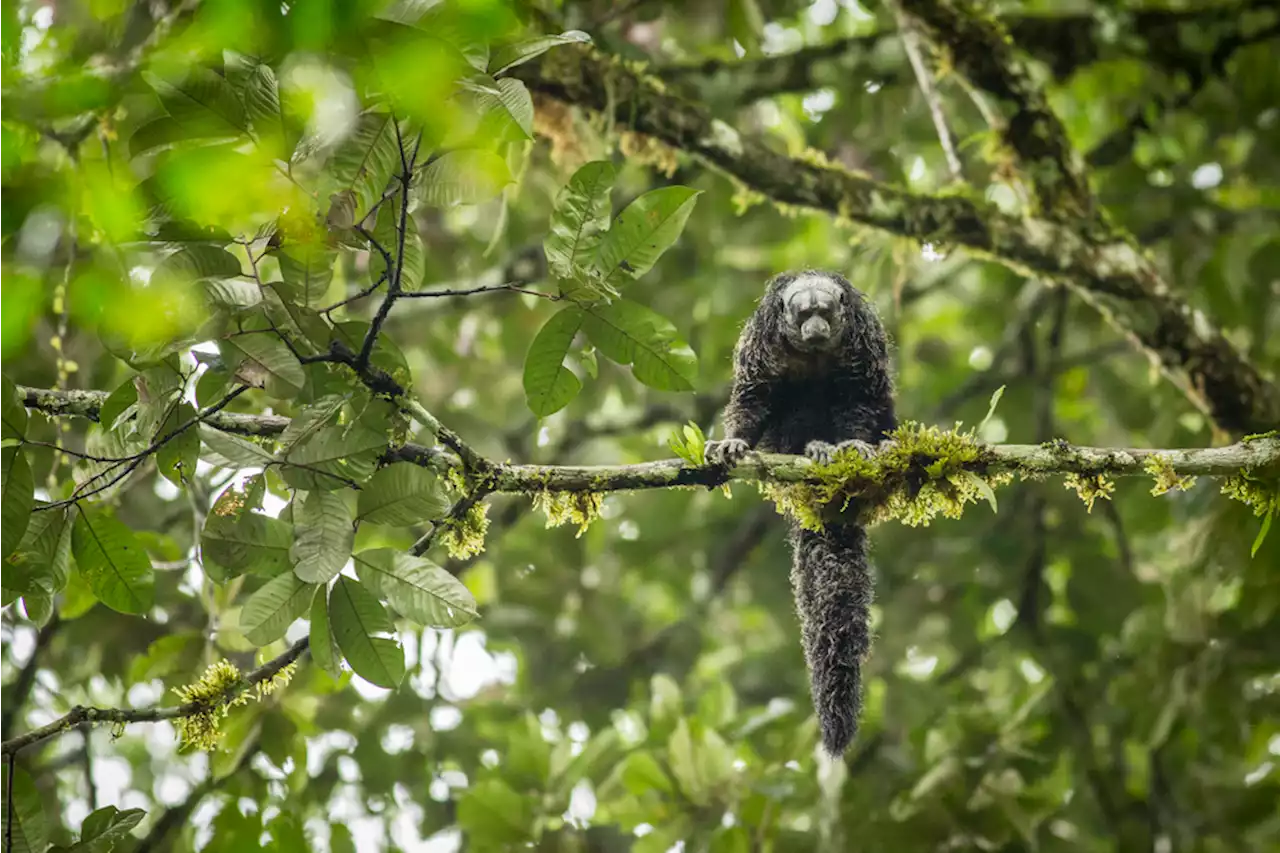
<point>814,314</point>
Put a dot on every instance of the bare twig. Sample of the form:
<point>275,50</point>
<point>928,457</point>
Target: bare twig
<point>911,45</point>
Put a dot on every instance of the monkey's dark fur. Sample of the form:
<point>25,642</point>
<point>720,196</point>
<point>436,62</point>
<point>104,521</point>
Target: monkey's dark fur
<point>811,374</point>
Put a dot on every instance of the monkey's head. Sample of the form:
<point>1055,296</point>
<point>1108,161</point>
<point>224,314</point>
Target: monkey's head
<point>814,311</point>
<point>813,317</point>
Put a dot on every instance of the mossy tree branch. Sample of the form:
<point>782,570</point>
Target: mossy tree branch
<point>85,714</point>
<point>1110,271</point>
<point>1255,455</point>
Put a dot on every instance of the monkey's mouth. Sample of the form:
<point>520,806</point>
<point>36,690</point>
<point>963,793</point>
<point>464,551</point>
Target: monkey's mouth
<point>815,334</point>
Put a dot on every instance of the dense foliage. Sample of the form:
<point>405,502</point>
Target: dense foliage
<point>309,307</point>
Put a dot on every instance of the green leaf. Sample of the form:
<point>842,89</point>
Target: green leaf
<point>630,333</point>
<point>307,270</point>
<point>163,133</point>
<point>507,111</point>
<point>311,419</point>
<point>580,218</point>
<point>490,812</point>
<point>26,830</point>
<point>325,537</point>
<point>402,494</point>
<point>358,617</point>
<point>176,459</point>
<point>333,456</point>
<point>196,262</point>
<point>239,452</point>
<point>244,542</point>
<point>746,24</point>
<point>417,588</point>
<point>270,611</point>
<point>201,100</point>
<point>231,293</point>
<point>511,55</point>
<point>324,648</point>
<point>549,386</point>
<point>690,444</point>
<point>1262,534</point>
<point>13,417</point>
<point>991,410</point>
<point>271,365</point>
<point>120,402</point>
<point>644,230</point>
<point>18,497</point>
<point>983,487</point>
<point>366,162</point>
<point>41,562</point>
<point>467,176</point>
<point>108,826</point>
<point>112,560</point>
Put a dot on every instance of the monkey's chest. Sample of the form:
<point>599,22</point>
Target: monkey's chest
<point>799,415</point>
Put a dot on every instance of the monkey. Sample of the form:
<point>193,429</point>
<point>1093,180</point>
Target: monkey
<point>811,376</point>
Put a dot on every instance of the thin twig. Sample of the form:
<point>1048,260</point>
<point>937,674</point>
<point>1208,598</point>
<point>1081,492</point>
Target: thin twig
<point>489,288</point>
<point>911,42</point>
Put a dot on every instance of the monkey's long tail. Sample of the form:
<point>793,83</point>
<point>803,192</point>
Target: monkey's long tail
<point>832,585</point>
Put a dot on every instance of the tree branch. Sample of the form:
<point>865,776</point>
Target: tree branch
<point>1109,270</point>
<point>85,714</point>
<point>1064,43</point>
<point>1257,454</point>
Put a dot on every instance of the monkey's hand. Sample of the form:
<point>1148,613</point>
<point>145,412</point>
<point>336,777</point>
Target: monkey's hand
<point>823,452</point>
<point>727,453</point>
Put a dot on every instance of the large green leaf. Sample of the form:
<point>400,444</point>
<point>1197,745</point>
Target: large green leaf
<point>24,826</point>
<point>333,456</point>
<point>236,451</point>
<point>237,543</point>
<point>467,176</point>
<point>644,230</point>
<point>270,362</point>
<point>630,333</point>
<point>307,270</point>
<point>416,587</point>
<point>511,55</point>
<point>358,618</point>
<point>196,262</point>
<point>366,161</point>
<point>202,101</point>
<point>325,537</point>
<point>112,560</point>
<point>580,218</point>
<point>105,828</point>
<point>549,386</point>
<point>41,562</point>
<point>403,494</point>
<point>507,111</point>
<point>13,417</point>
<point>18,497</point>
<point>270,611</point>
<point>324,648</point>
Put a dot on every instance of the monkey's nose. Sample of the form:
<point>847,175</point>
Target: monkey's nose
<point>814,329</point>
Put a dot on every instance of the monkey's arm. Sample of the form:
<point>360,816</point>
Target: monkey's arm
<point>744,422</point>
